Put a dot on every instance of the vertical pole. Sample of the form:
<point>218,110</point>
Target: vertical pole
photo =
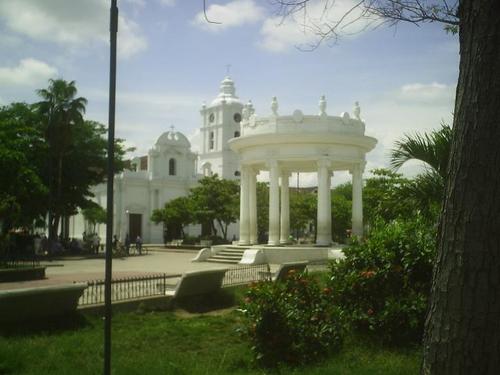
<point>113,29</point>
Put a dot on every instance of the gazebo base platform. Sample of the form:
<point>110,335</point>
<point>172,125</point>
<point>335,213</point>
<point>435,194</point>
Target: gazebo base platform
<point>261,254</point>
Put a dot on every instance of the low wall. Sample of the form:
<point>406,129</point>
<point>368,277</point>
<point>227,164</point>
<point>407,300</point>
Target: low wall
<point>21,274</point>
<point>38,303</point>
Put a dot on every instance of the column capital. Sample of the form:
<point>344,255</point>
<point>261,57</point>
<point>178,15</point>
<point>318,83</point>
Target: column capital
<point>246,168</point>
<point>285,173</point>
<point>357,168</point>
<point>255,170</point>
<point>326,163</point>
<point>272,163</point>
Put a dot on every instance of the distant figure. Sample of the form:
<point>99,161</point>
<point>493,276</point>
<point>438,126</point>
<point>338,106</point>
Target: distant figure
<point>96,242</point>
<point>127,244</point>
<point>115,242</point>
<point>44,244</point>
<point>138,244</point>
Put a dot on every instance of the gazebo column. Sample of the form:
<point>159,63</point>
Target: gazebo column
<point>244,207</point>
<point>285,208</point>
<point>274,204</point>
<point>324,222</point>
<point>252,202</point>
<point>357,200</point>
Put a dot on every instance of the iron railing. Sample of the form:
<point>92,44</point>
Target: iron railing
<point>19,262</point>
<point>245,275</point>
<point>154,285</point>
<point>127,288</point>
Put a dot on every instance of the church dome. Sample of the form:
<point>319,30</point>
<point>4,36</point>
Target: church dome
<point>227,93</point>
<point>173,138</point>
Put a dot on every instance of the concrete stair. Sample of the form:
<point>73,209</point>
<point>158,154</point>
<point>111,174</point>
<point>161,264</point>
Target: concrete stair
<point>229,254</point>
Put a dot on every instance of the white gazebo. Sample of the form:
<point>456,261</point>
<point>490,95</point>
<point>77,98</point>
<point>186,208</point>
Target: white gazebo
<point>298,143</point>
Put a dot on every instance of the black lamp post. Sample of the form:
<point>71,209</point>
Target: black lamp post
<point>113,30</point>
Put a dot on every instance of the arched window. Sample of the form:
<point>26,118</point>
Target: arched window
<point>172,166</point>
<point>211,141</point>
<point>236,134</point>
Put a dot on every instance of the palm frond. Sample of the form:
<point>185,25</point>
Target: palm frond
<point>431,148</point>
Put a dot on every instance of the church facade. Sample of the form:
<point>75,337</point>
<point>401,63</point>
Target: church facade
<point>170,170</point>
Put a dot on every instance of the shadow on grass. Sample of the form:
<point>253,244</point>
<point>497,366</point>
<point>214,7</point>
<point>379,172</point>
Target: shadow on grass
<point>47,325</point>
<point>207,302</point>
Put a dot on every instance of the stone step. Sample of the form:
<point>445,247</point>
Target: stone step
<point>230,253</point>
<point>224,256</point>
<point>234,251</point>
<point>227,261</point>
<point>227,254</point>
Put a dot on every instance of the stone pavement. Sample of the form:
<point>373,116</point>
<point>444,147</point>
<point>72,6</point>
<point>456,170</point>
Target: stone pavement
<point>68,270</point>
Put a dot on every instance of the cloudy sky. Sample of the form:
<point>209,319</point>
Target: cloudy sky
<point>171,60</point>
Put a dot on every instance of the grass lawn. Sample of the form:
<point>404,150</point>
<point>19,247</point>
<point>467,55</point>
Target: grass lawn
<point>174,343</point>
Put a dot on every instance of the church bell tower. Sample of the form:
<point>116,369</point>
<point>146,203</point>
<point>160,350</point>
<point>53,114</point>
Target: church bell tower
<point>221,122</point>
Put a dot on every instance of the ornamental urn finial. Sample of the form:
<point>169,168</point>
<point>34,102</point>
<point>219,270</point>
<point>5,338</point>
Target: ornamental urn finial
<point>322,106</point>
<point>274,106</point>
<point>245,113</point>
<point>251,109</point>
<point>356,111</point>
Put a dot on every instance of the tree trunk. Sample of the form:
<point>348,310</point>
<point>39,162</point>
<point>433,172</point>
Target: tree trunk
<point>55,225</point>
<point>463,325</point>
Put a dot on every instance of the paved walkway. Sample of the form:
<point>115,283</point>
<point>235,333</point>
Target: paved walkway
<point>68,270</point>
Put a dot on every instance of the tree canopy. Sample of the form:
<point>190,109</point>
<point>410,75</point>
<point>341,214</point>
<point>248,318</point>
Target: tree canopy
<point>50,157</point>
<point>174,216</point>
<point>22,190</point>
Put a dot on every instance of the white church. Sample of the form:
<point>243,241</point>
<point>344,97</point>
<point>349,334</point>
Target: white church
<point>237,144</point>
<point>170,170</point>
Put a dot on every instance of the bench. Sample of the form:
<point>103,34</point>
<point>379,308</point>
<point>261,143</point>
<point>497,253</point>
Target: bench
<point>37,303</point>
<point>198,282</point>
<point>283,270</point>
<point>175,243</point>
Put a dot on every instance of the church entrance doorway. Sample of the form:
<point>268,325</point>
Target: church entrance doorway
<point>135,226</point>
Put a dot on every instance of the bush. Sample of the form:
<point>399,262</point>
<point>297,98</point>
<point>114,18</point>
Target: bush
<point>292,321</point>
<point>383,284</point>
<point>190,240</point>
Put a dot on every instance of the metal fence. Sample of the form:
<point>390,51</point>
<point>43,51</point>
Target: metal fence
<point>15,262</point>
<point>245,275</point>
<point>127,288</point>
<point>154,285</point>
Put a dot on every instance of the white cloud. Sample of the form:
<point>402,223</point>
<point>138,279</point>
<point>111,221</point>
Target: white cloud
<point>29,72</point>
<point>168,3</point>
<point>303,29</point>
<point>70,23</point>
<point>433,93</point>
<point>129,40</point>
<point>233,14</point>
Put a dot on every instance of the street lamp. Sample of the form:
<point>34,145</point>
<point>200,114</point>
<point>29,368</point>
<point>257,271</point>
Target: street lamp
<point>113,30</point>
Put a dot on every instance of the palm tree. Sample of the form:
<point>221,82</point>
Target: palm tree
<point>434,150</point>
<point>60,109</point>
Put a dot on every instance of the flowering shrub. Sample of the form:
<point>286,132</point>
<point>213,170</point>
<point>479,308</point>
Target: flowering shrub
<point>292,321</point>
<point>383,283</point>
